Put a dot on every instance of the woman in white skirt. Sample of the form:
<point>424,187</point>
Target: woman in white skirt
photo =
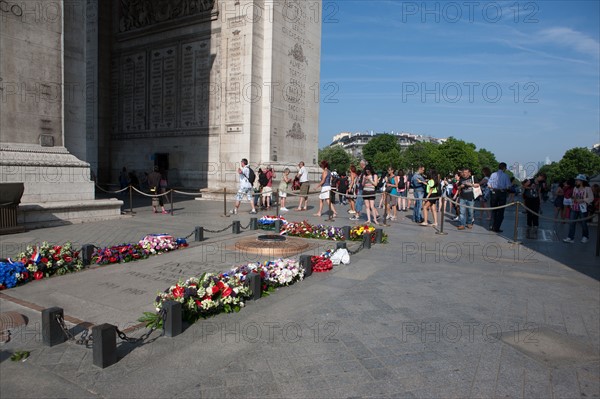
<point>325,185</point>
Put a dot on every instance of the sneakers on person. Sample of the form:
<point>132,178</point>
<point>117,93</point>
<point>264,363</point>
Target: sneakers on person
<point>350,211</point>
<point>355,218</point>
<point>233,211</point>
<point>284,209</point>
<point>460,227</point>
<point>569,240</point>
<point>252,212</point>
<point>584,240</point>
<point>455,219</point>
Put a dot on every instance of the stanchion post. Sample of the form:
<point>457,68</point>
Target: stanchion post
<point>174,319</point>
<point>171,202</point>
<point>516,229</point>
<point>52,333</point>
<point>104,347</point>
<point>130,199</point>
<point>442,217</point>
<point>306,264</point>
<point>341,245</point>
<point>253,223</point>
<point>225,202</point>
<point>199,233</point>
<point>236,227</point>
<point>597,235</point>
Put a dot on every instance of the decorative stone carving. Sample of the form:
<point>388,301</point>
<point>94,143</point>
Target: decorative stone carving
<point>296,132</point>
<point>135,14</point>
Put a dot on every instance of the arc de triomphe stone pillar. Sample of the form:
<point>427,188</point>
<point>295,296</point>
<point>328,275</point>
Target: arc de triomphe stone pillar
<point>42,113</point>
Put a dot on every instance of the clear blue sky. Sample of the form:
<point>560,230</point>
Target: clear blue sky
<point>520,79</point>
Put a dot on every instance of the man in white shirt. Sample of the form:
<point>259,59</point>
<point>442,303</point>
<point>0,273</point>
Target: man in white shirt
<point>245,188</point>
<point>304,186</point>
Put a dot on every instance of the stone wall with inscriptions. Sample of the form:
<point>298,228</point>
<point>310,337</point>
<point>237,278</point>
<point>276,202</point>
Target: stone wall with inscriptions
<point>295,115</point>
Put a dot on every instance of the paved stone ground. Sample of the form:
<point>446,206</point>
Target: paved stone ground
<point>466,314</point>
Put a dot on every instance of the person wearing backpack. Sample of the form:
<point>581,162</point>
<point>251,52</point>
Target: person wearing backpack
<point>247,178</point>
<point>532,194</point>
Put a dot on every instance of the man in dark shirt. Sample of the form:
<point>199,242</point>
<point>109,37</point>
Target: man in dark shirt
<point>467,199</point>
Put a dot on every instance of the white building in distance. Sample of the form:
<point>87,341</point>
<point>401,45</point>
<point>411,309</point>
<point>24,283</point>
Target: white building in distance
<point>353,143</point>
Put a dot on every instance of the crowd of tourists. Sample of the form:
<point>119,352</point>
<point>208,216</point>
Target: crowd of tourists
<point>464,195</point>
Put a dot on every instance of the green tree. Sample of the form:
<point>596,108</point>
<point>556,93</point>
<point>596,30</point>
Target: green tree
<point>382,143</point>
<point>457,154</point>
<point>487,159</point>
<point>339,160</point>
<point>421,153</point>
<point>576,161</point>
<point>384,159</point>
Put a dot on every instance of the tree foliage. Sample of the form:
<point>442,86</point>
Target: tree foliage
<point>380,144</point>
<point>339,160</point>
<point>575,161</point>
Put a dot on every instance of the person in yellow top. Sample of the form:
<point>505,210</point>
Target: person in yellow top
<point>431,198</point>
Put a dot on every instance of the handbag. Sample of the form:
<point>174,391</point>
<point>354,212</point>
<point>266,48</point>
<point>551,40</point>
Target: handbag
<point>477,192</point>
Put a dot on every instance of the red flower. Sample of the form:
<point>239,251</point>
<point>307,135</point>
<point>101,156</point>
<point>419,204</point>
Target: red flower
<point>68,259</point>
<point>25,275</point>
<point>38,275</point>
<point>55,257</point>
<point>57,248</point>
<point>220,285</point>
<point>227,291</point>
<point>23,260</point>
<point>178,291</point>
<point>215,290</point>
<point>262,274</point>
<point>113,259</point>
<point>44,260</point>
<point>75,254</point>
<point>198,303</point>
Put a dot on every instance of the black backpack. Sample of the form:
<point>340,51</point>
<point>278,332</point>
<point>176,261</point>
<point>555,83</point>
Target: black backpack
<point>251,175</point>
<point>262,179</point>
<point>401,183</point>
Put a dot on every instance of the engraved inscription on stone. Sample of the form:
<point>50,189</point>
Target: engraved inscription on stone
<point>163,88</point>
<point>133,92</point>
<point>195,83</point>
<point>235,52</point>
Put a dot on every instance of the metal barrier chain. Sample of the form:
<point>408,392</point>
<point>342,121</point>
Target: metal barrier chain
<point>189,235</point>
<point>125,338</point>
<point>218,231</point>
<point>85,339</point>
<point>360,248</point>
<point>245,227</point>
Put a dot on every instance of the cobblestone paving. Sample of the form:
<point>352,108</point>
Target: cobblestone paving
<point>426,316</point>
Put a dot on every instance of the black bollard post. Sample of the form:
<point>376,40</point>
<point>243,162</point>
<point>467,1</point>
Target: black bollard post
<point>104,347</point>
<point>173,320</point>
<point>253,223</point>
<point>346,232</point>
<point>277,226</point>
<point>236,228</point>
<point>86,254</point>
<point>255,286</point>
<point>367,240</point>
<point>341,245</point>
<point>52,333</point>
<point>378,236</point>
<point>199,233</point>
<point>306,264</point>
